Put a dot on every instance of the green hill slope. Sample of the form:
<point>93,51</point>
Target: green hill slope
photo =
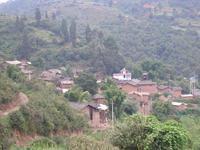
<point>173,40</point>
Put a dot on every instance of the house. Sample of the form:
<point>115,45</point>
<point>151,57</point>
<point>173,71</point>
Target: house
<point>64,85</point>
<point>99,99</point>
<point>51,75</point>
<point>176,92</point>
<point>23,66</point>
<point>144,101</point>
<point>147,86</point>
<point>124,75</point>
<point>187,96</point>
<point>27,73</point>
<point>180,106</point>
<point>97,114</point>
<point>127,86</point>
<point>138,86</point>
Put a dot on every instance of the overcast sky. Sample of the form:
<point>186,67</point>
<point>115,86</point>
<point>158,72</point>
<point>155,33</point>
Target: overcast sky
<point>2,1</point>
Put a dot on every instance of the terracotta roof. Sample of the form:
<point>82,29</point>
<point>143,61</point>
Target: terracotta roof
<point>162,87</point>
<point>147,82</point>
<point>176,88</point>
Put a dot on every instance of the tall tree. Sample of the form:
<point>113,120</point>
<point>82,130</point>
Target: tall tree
<point>24,49</point>
<point>46,15</point>
<point>73,32</point>
<point>65,31</point>
<point>38,15</point>
<point>19,24</point>
<point>87,82</point>
<point>88,34</point>
<point>115,96</point>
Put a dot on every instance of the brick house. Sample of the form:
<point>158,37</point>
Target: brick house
<point>51,75</point>
<point>180,106</point>
<point>127,86</point>
<point>138,86</point>
<point>176,92</point>
<point>144,102</point>
<point>97,114</point>
<point>147,86</point>
<point>65,84</point>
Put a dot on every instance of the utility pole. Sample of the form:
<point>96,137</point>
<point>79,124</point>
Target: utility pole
<point>112,114</point>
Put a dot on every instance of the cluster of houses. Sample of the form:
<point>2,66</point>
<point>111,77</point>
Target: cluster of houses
<point>138,90</point>
<point>143,90</point>
<point>156,10</point>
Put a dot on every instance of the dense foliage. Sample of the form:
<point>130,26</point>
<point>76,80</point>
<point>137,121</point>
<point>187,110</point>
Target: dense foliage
<point>87,82</point>
<point>147,133</point>
<point>45,114</point>
<point>115,98</point>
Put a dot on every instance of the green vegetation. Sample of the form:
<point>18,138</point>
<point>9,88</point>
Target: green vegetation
<point>87,82</point>
<point>147,133</point>
<point>115,97</point>
<point>76,94</point>
<point>100,36</point>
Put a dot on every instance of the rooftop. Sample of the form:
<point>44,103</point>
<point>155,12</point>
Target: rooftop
<point>98,96</point>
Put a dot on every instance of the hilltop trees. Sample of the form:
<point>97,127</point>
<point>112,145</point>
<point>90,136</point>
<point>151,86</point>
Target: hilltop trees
<point>24,49</point>
<point>72,31</point>
<point>19,24</point>
<point>65,31</point>
<point>38,16</point>
<point>88,34</point>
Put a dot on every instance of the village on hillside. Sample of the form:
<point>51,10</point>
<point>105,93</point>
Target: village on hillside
<point>140,91</point>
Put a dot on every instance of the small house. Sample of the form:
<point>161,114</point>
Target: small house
<point>180,106</point>
<point>97,115</point>
<point>51,75</point>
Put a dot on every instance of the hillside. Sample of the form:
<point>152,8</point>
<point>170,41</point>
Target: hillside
<point>173,40</point>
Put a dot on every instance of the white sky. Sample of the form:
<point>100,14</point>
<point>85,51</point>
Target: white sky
<point>2,1</point>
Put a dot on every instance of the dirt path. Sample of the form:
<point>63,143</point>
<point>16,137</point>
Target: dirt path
<point>19,100</point>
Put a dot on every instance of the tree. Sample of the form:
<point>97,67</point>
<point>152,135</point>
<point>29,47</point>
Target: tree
<point>76,94</point>
<point>73,32</point>
<point>162,110</point>
<point>129,108</point>
<point>147,133</point>
<point>64,30</point>
<point>14,73</point>
<point>19,24</point>
<point>46,15</point>
<point>87,82</point>
<point>88,34</point>
<point>115,95</point>
<point>24,50</point>
<point>38,15</point>
<point>5,142</point>
<point>7,89</point>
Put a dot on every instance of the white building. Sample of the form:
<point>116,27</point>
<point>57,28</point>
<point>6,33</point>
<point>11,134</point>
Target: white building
<point>124,75</point>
